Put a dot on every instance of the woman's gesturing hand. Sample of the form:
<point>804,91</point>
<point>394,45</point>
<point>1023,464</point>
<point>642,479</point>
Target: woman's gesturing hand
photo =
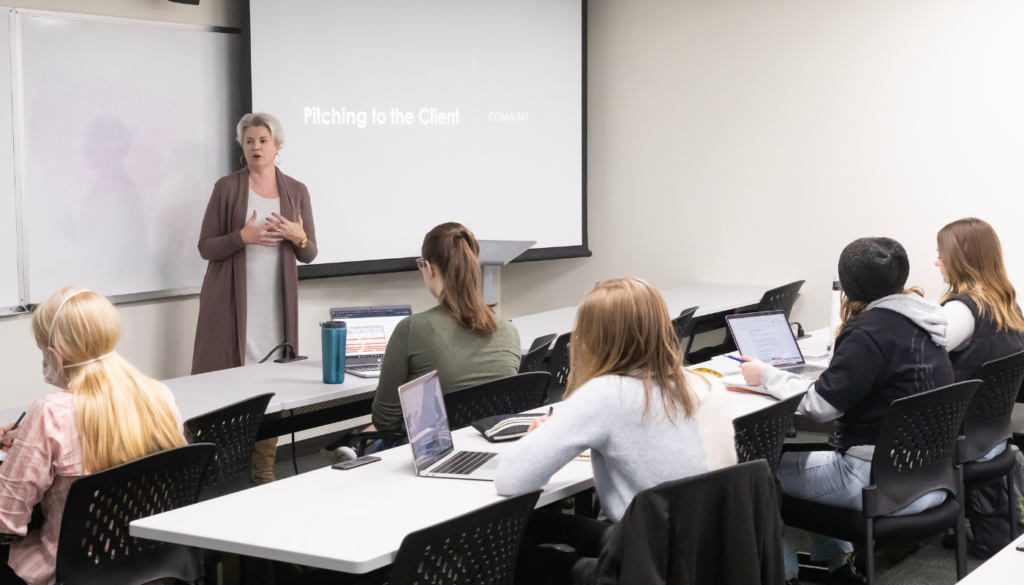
<point>291,230</point>
<point>264,235</point>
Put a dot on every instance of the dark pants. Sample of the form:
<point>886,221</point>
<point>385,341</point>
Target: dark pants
<point>544,566</point>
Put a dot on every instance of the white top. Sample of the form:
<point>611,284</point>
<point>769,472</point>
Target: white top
<point>629,452</point>
<point>961,325</point>
<point>264,287</point>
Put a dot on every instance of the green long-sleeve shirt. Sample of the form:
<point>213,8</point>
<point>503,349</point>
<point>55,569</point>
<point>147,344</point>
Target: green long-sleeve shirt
<point>433,340</point>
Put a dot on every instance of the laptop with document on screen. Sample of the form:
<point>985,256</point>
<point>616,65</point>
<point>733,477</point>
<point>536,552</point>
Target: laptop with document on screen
<point>768,337</point>
<point>433,452</point>
<point>368,331</point>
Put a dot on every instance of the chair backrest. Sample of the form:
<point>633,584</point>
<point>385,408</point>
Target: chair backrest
<point>510,395</point>
<point>987,422</point>
<point>683,324</point>
<point>917,447</point>
<point>479,547</point>
<point>781,299</point>
<point>760,435</point>
<point>558,367</point>
<point>718,527</point>
<point>534,361</point>
<point>233,430</point>
<point>95,548</point>
<point>543,341</point>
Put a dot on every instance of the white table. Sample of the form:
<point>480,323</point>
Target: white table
<point>710,298</point>
<point>352,521</point>
<point>1007,566</point>
<point>294,385</point>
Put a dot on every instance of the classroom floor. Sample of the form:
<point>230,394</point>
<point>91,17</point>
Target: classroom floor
<point>930,565</point>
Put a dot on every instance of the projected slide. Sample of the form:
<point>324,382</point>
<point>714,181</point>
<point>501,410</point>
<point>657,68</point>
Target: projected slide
<point>403,114</point>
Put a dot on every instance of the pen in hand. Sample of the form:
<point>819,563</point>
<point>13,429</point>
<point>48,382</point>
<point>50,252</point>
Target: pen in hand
<point>18,422</point>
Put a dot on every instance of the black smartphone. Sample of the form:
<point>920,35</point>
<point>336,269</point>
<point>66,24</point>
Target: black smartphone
<point>353,463</point>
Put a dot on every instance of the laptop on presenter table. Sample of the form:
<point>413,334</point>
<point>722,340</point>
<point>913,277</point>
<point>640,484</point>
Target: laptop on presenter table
<point>368,331</point>
<point>768,337</point>
<point>433,452</point>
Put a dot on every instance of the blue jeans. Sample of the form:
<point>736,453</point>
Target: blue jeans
<point>828,477</point>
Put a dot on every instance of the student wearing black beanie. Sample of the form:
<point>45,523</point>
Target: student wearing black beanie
<point>891,345</point>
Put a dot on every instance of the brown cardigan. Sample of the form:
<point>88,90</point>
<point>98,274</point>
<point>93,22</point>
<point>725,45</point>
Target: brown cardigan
<point>220,333</point>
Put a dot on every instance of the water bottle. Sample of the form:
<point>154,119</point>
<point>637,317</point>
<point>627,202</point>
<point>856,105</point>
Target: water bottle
<point>333,336</point>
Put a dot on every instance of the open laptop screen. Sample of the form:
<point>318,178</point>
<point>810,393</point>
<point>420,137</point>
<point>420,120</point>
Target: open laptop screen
<point>765,336</point>
<point>426,420</point>
<point>369,329</point>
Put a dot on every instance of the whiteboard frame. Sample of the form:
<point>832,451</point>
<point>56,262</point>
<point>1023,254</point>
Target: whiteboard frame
<point>21,171</point>
<point>19,227</point>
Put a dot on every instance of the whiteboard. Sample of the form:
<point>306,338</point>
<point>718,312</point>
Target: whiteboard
<point>127,125</point>
<point>9,290</point>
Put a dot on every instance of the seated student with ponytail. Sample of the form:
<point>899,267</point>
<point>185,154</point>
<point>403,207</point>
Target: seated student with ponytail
<point>890,346</point>
<point>461,337</point>
<point>107,413</point>
<point>985,321</point>
<point>645,418</point>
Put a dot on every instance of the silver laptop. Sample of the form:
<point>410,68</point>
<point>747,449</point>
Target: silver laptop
<point>433,452</point>
<point>768,337</point>
<point>368,331</point>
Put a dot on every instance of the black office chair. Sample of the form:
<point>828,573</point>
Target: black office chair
<point>479,547</point>
<point>533,361</point>
<point>915,454</point>
<point>761,434</point>
<point>683,325</point>
<point>777,299</point>
<point>543,341</point>
<point>987,423</point>
<point>95,548</point>
<point>233,430</point>
<point>558,367</point>
<point>510,395</point>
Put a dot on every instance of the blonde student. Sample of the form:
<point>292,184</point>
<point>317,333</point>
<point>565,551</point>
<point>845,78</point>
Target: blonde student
<point>107,413</point>
<point>645,419</point>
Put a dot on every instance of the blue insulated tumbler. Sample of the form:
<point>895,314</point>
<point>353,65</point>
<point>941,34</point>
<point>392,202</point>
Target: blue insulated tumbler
<point>333,335</point>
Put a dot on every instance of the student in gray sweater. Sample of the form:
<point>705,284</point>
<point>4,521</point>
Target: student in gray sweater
<point>644,418</point>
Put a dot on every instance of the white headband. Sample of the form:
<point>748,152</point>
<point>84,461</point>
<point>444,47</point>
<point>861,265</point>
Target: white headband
<point>49,336</point>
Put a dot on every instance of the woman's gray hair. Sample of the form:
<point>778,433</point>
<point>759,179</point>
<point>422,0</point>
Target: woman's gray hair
<point>260,119</point>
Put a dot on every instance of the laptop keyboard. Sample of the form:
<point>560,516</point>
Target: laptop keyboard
<point>464,463</point>
<point>368,368</point>
<point>805,370</point>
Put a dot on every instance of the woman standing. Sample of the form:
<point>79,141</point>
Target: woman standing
<point>258,223</point>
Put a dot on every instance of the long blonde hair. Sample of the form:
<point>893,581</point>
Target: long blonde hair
<point>623,328</point>
<point>973,258</point>
<point>121,414</point>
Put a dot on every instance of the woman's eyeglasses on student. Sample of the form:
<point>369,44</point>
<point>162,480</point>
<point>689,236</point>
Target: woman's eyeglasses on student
<point>421,263</point>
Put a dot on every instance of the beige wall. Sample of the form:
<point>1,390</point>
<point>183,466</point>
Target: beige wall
<point>737,141</point>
